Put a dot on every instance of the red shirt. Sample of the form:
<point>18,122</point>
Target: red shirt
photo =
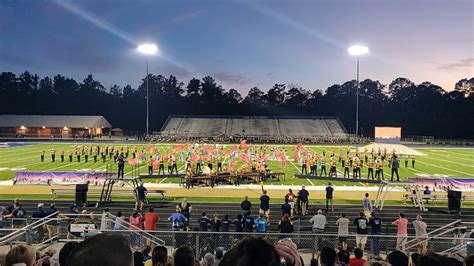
<point>150,220</point>
<point>357,262</point>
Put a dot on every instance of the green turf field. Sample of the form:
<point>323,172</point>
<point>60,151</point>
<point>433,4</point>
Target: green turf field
<point>438,162</point>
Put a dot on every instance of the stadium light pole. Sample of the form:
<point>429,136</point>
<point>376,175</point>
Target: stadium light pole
<point>147,49</point>
<point>358,50</point>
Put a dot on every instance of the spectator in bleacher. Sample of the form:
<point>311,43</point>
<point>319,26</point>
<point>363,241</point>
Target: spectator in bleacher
<point>398,258</point>
<point>290,196</point>
<point>375,230</point>
<point>252,252</point>
<point>151,218</point>
<point>367,204</point>
<point>20,255</point>
<point>327,256</point>
<point>286,208</point>
<point>177,220</point>
<point>73,210</point>
<point>362,230</point>
<point>159,257</point>
<point>343,230</point>
<point>265,204</point>
<point>39,213</point>
<point>343,258</point>
<point>357,260</point>
<point>421,234</point>
<point>248,223</point>
<point>219,254</point>
<point>136,224</point>
<point>303,195</point>
<point>319,222</point>
<point>427,192</point>
<point>203,222</point>
<point>245,206</point>
<point>3,211</point>
<point>285,225</point>
<point>11,207</point>
<point>184,256</point>
<point>105,221</point>
<point>238,223</point>
<point>102,249</point>
<point>185,208</point>
<point>208,260</point>
<point>329,196</point>
<point>261,224</point>
<point>52,225</point>
<point>118,223</point>
<point>141,194</point>
<point>138,258</point>
<point>414,258</point>
<point>402,234</point>
<point>18,216</point>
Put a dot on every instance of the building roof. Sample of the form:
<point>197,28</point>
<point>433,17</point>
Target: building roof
<point>71,121</point>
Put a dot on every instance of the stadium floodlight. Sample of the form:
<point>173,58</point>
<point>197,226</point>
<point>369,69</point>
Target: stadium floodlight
<point>147,49</point>
<point>357,50</point>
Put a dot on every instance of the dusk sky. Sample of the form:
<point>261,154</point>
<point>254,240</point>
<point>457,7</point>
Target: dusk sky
<point>241,43</point>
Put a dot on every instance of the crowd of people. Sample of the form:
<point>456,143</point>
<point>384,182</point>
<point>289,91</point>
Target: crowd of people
<point>253,248</point>
<point>114,249</point>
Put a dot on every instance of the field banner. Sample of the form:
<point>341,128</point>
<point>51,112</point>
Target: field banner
<point>59,178</point>
<point>388,135</point>
<point>442,184</point>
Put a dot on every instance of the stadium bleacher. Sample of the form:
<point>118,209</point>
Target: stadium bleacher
<point>254,126</point>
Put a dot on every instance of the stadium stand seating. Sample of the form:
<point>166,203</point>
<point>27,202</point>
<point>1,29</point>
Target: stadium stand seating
<point>303,127</point>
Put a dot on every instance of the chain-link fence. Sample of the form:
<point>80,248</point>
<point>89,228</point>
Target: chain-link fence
<point>79,227</point>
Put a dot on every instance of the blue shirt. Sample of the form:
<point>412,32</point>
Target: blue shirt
<point>203,222</point>
<point>177,219</point>
<point>225,224</point>
<point>329,191</point>
<point>237,225</point>
<point>285,208</point>
<point>261,225</point>
<point>39,213</point>
<point>303,195</point>
<point>248,224</point>
<point>215,225</point>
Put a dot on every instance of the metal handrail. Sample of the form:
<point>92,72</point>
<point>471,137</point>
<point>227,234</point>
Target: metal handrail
<point>23,230</point>
<point>434,231</point>
<point>147,232</point>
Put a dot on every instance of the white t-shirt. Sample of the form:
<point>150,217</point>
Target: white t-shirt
<point>343,226</point>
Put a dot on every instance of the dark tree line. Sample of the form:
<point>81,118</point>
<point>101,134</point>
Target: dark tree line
<point>421,109</point>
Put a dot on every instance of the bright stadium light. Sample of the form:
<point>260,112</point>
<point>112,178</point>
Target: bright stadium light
<point>147,49</point>
<point>357,50</point>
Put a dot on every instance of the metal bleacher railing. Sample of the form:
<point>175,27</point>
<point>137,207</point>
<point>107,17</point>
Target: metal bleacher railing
<point>60,227</point>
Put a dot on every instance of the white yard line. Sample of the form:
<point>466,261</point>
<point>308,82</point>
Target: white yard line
<point>36,150</point>
<point>452,170</point>
<point>312,184</point>
<point>21,159</point>
<point>463,164</point>
<point>27,165</point>
<point>61,166</point>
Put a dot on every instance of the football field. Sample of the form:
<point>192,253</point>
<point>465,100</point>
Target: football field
<point>437,162</point>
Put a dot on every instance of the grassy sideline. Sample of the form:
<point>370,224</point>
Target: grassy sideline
<point>157,201</point>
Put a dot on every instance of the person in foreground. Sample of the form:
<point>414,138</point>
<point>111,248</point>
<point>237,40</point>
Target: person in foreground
<point>93,252</point>
<point>257,251</point>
